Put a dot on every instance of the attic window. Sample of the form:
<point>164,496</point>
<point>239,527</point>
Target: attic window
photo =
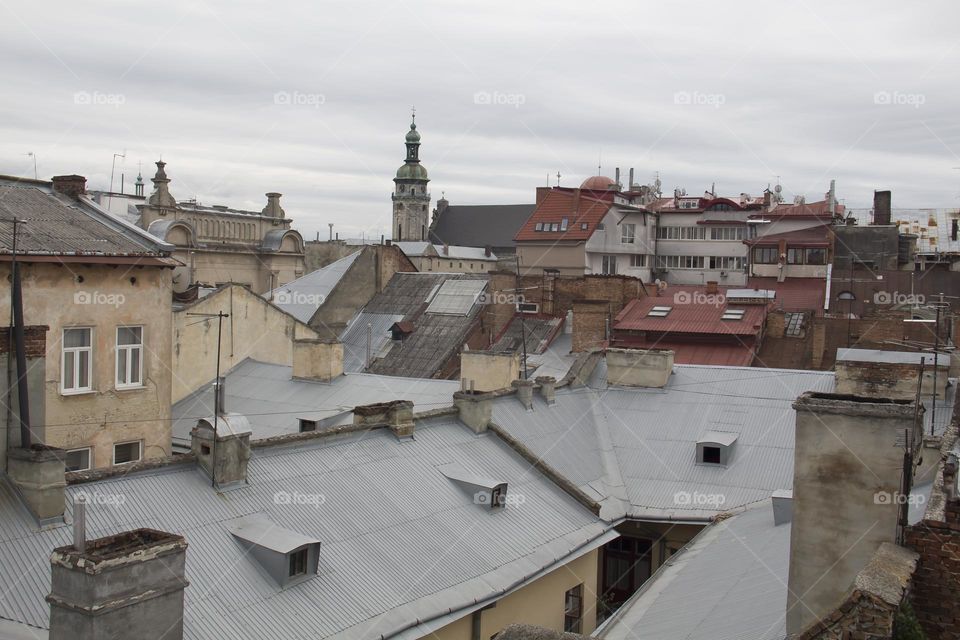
<point>555,227</point>
<point>563,224</point>
<point>298,563</point>
<point>307,426</point>
<point>483,491</point>
<point>583,226</point>
<point>716,447</point>
<point>659,312</point>
<point>538,226</point>
<point>732,314</point>
<point>711,455</point>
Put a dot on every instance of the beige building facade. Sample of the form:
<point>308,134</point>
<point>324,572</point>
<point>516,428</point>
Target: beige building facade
<point>253,328</point>
<point>218,245</point>
<point>104,291</point>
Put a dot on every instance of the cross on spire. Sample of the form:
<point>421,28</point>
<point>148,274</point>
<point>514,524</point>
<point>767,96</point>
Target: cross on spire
<point>558,178</point>
<point>413,113</point>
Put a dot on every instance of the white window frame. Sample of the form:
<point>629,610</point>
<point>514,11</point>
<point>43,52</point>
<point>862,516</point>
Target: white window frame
<point>608,265</point>
<point>139,444</point>
<point>638,260</point>
<point>64,350</point>
<point>628,233</point>
<point>89,451</point>
<point>129,350</point>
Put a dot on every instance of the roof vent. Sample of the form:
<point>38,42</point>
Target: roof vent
<point>715,447</point>
<point>782,506</point>
<point>286,556</point>
<point>484,491</point>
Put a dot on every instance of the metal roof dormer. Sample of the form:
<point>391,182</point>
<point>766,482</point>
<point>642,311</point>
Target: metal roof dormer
<point>288,557</point>
<point>716,447</point>
<point>485,491</point>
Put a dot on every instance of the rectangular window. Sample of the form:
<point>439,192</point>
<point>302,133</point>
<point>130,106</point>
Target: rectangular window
<point>298,563</point>
<point>538,226</point>
<point>583,226</point>
<point>608,265</point>
<point>129,357</point>
<point>765,255</point>
<point>78,459</point>
<point>726,233</point>
<point>816,256</point>
<point>638,260</point>
<point>76,372</point>
<point>125,452</point>
<point>726,263</point>
<point>682,233</point>
<point>573,609</point>
<point>600,226</point>
<point>555,226</point>
<point>628,233</point>
<point>794,256</point>
<point>563,224</point>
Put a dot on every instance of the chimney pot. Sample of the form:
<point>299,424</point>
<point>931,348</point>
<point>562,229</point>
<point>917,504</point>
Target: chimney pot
<point>524,390</point>
<point>223,454</point>
<point>548,388</point>
<point>881,207</point>
<point>73,186</point>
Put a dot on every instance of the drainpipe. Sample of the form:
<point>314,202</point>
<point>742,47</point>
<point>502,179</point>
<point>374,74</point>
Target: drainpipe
<point>23,397</point>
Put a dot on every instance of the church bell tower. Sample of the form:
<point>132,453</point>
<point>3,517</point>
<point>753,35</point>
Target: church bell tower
<point>411,200</point>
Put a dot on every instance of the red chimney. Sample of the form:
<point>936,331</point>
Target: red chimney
<point>73,185</point>
<point>712,287</point>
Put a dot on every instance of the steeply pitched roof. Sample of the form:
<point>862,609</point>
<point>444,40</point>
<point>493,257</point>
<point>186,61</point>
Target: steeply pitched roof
<point>634,450</point>
<point>736,573</point>
<point>582,214</point>
<point>441,329</point>
<point>274,402</point>
<point>57,225</point>
<point>401,543</point>
<point>302,297</point>
<point>492,225</point>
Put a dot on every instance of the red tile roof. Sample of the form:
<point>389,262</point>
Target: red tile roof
<point>559,204</point>
<point>793,294</point>
<point>807,210</point>
<point>687,316</point>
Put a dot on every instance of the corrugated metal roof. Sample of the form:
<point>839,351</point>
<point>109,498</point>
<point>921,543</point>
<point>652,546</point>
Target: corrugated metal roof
<point>58,225</point>
<point>687,316</point>
<point>354,338</point>
<point>635,449</point>
<point>401,543</point>
<point>730,583</point>
<point>302,297</point>
<point>274,402</point>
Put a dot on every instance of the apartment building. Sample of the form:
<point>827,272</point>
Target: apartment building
<point>102,289</point>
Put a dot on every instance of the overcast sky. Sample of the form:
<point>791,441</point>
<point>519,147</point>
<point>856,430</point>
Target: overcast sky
<point>313,99</point>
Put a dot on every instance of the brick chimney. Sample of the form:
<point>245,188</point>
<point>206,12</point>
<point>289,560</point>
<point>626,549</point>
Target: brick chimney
<point>223,455</point>
<point>848,463</point>
<point>128,585</point>
<point>881,207</point>
<point>713,287</point>
<point>475,408</point>
<point>273,208</point>
<point>317,359</point>
<point>396,414</point>
<point>73,186</point>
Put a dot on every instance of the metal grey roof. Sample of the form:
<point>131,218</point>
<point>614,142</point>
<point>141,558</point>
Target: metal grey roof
<point>481,225</point>
<point>58,225</point>
<point>538,331</point>
<point>354,338</point>
<point>634,450</point>
<point>456,297</point>
<point>890,357</point>
<point>401,543</point>
<point>302,297</point>
<point>437,336</point>
<point>263,532</point>
<point>274,402</point>
<point>729,583</point>
<point>556,360</point>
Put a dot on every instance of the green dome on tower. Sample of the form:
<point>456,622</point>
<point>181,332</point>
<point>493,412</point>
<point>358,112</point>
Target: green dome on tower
<point>413,135</point>
<point>412,171</point>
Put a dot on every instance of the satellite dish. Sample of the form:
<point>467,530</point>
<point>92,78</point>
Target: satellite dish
<point>777,189</point>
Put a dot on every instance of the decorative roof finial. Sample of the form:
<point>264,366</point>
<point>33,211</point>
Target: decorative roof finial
<point>413,117</point>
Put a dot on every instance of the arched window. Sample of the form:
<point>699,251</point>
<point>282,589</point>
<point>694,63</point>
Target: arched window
<point>846,295</point>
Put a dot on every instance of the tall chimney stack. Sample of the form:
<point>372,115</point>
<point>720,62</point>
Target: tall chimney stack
<point>881,207</point>
<point>129,585</point>
<point>73,186</point>
<point>849,471</point>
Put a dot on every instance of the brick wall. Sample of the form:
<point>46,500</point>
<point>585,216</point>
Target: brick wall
<point>936,583</point>
<point>35,338</point>
<point>590,324</point>
<point>870,609</point>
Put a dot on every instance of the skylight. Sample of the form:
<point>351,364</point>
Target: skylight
<point>456,297</point>
<point>733,314</point>
<point>659,312</point>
